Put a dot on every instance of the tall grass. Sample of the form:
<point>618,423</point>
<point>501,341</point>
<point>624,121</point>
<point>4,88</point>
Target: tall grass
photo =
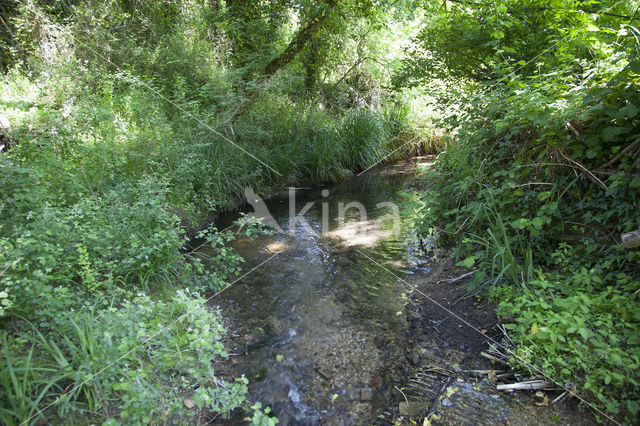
<point>509,259</point>
<point>25,384</point>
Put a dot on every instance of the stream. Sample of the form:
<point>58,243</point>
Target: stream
<point>328,331</point>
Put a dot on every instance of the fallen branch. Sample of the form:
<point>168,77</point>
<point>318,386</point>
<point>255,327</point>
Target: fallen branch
<point>530,385</point>
<point>620,154</point>
<point>631,239</point>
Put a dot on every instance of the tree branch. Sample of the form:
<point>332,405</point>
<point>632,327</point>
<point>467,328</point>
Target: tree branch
<point>298,41</point>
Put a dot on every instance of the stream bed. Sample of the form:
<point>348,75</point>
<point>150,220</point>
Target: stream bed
<point>328,330</point>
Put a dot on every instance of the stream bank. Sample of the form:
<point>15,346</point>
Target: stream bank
<point>327,330</point>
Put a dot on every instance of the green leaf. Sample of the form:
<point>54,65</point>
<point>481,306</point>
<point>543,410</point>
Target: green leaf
<point>634,66</point>
<point>468,262</point>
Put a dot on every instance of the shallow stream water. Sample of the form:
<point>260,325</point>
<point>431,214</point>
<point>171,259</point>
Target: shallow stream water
<point>321,329</point>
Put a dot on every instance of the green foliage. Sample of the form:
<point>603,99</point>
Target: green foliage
<point>261,417</point>
<point>61,253</point>
<point>133,364</point>
<point>536,188</point>
<point>564,327</point>
<point>484,41</point>
<point>128,126</point>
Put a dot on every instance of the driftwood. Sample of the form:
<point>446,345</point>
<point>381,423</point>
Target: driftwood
<point>530,385</point>
<point>631,239</point>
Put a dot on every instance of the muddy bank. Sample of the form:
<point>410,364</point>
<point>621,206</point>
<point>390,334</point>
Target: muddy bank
<point>445,376</point>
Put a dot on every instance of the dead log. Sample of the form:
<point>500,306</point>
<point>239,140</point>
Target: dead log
<point>631,239</point>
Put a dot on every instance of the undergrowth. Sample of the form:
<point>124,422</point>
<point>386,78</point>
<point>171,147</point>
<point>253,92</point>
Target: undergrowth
<point>123,128</point>
<point>534,196</point>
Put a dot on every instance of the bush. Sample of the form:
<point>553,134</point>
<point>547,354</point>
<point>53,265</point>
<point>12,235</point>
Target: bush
<point>534,195</point>
<point>61,256</point>
<point>139,363</point>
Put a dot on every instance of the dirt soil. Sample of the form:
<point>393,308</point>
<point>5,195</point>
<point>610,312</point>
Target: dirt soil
<point>444,360</point>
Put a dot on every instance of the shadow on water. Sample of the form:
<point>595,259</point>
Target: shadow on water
<point>318,329</point>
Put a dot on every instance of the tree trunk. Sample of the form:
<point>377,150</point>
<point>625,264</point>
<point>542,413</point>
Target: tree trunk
<point>298,42</point>
<point>311,66</point>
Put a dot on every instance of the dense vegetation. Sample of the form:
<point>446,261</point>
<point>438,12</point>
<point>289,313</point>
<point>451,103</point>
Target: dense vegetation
<point>125,125</point>
<point>541,179</point>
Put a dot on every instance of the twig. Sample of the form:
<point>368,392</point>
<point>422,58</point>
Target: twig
<point>89,186</point>
<point>405,396</point>
<point>440,370</point>
<point>530,385</point>
<point>584,169</point>
<point>483,372</point>
<point>620,154</point>
<point>562,396</point>
<point>493,358</point>
<point>463,276</point>
<point>436,398</point>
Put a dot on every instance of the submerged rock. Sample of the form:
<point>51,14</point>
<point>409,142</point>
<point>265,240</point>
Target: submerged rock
<point>412,408</point>
<point>414,357</point>
<point>366,394</point>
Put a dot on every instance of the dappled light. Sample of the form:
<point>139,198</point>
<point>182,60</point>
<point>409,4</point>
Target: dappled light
<point>366,233</point>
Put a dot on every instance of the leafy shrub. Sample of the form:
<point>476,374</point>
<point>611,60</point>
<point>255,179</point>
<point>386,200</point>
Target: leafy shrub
<point>126,238</point>
<point>135,364</point>
<point>534,193</point>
